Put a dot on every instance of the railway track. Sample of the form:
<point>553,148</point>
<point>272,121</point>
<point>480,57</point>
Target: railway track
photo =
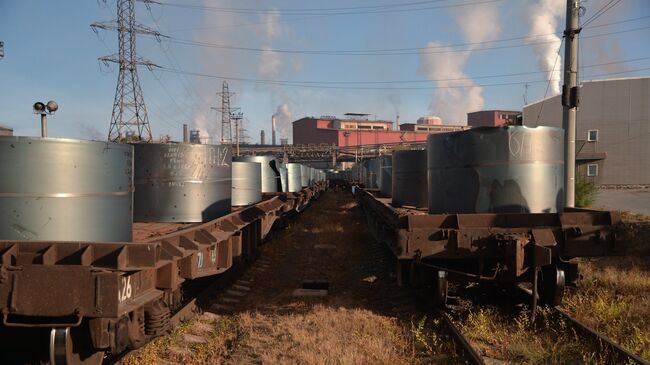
<point>623,356</point>
<point>613,352</point>
<point>360,278</point>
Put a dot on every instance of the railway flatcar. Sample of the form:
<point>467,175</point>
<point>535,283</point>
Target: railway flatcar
<point>487,208</point>
<point>84,274</point>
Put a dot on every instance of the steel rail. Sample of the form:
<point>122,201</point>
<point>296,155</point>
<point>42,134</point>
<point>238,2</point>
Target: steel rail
<point>603,340</point>
<point>464,349</point>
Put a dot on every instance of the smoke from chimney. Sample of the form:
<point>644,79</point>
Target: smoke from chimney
<point>544,16</point>
<point>456,93</point>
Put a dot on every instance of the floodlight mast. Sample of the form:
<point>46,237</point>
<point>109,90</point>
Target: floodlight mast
<point>44,110</point>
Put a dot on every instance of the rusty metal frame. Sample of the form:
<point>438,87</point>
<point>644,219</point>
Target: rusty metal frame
<point>60,284</point>
<point>516,242</point>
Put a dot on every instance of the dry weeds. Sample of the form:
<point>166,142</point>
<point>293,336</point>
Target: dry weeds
<point>614,292</point>
<point>613,298</point>
<point>321,335</point>
<point>548,340</point>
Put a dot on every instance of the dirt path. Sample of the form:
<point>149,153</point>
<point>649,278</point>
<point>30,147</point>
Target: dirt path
<point>363,318</point>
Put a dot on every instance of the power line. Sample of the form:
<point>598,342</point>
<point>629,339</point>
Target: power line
<point>600,12</point>
<point>270,82</point>
<point>325,13</point>
<point>282,21</point>
<point>366,82</point>
<point>172,59</point>
<point>288,10</point>
<point>386,52</point>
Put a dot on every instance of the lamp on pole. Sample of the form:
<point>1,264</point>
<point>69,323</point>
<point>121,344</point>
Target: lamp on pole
<point>44,110</point>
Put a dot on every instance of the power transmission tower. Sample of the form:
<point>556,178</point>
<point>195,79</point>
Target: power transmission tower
<point>129,121</point>
<point>226,114</point>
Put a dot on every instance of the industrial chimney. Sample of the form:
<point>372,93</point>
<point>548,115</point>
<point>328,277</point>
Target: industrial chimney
<point>262,137</point>
<point>273,130</point>
<point>186,134</point>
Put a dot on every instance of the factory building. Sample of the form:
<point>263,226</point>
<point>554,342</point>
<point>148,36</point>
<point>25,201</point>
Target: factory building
<point>430,124</point>
<point>492,118</point>
<point>5,131</point>
<point>357,129</point>
<point>613,129</point>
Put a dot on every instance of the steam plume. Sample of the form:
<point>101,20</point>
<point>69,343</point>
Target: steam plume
<point>544,16</point>
<point>453,99</point>
<point>283,119</point>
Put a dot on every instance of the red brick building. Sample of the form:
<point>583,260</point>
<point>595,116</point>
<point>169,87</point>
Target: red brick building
<point>353,131</point>
<point>492,118</point>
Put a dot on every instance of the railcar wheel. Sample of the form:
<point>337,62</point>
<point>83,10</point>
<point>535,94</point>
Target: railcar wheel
<point>64,351</point>
<point>551,285</point>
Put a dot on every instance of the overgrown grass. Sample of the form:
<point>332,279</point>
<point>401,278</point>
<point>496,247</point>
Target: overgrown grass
<point>218,333</point>
<point>613,298</point>
<point>548,340</point>
<point>520,340</point>
<point>320,336</point>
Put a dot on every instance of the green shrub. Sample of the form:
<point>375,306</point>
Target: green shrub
<point>586,192</point>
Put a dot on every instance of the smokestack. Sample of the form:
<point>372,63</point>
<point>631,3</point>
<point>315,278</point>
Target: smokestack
<point>397,121</point>
<point>262,137</point>
<point>186,135</point>
<point>273,130</point>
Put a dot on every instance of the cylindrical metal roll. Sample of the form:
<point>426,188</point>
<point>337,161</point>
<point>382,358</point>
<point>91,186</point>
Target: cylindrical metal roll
<point>512,169</point>
<point>283,178</point>
<point>65,190</point>
<point>312,176</point>
<point>385,175</point>
<point>409,178</point>
<point>294,177</point>
<point>304,175</point>
<point>364,173</point>
<point>372,173</point>
<point>246,183</point>
<point>271,181</point>
<point>177,182</point>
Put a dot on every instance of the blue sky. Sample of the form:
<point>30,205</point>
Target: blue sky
<point>51,53</point>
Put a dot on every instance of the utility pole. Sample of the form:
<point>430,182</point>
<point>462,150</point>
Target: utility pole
<point>129,118</point>
<point>237,118</point>
<point>570,98</point>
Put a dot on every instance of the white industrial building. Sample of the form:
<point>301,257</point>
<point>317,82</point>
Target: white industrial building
<point>613,129</point>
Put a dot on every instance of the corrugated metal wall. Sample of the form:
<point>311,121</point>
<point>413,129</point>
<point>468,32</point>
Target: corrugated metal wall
<point>620,111</point>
